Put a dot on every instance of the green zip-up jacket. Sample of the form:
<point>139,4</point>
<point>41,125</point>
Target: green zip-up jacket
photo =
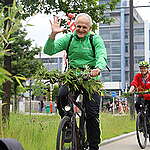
<point>80,53</point>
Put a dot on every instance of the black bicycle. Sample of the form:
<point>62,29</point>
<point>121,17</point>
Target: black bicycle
<point>72,131</point>
<point>143,126</point>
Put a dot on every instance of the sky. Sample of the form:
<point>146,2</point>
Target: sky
<point>143,11</point>
<point>41,27</point>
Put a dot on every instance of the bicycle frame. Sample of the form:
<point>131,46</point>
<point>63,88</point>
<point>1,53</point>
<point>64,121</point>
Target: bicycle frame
<point>77,129</point>
<point>82,117</point>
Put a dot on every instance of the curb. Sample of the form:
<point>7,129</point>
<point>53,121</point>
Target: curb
<point>117,138</point>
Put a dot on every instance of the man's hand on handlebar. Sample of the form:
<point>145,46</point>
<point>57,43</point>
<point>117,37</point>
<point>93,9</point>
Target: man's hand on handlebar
<point>95,72</point>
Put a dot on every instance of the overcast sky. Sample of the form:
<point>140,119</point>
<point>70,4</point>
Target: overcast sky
<point>41,29</point>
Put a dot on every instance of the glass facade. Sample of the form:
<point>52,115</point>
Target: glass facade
<point>111,35</point>
<point>53,63</point>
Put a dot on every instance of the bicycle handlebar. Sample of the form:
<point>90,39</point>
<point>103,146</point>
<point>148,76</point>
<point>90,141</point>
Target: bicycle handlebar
<point>128,94</point>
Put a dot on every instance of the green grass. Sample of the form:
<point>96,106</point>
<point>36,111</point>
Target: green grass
<point>115,125</point>
<point>39,132</point>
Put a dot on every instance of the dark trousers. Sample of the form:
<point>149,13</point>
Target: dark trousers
<point>92,107</point>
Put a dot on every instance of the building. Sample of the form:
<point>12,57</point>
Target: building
<point>116,38</point>
<point>55,62</point>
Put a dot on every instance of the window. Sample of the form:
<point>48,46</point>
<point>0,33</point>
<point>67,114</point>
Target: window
<point>106,77</point>
<point>126,47</point>
<point>116,62</point>
<point>115,47</point>
<point>139,31</point>
<point>105,33</point>
<point>139,46</point>
<point>115,34</point>
<point>126,34</point>
<point>126,19</point>
<point>107,45</point>
<point>116,76</point>
<point>126,62</point>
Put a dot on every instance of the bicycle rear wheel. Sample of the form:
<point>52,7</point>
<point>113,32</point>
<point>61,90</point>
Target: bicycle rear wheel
<point>141,130</point>
<point>64,135</point>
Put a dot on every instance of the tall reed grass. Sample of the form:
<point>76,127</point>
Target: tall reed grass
<point>38,132</point>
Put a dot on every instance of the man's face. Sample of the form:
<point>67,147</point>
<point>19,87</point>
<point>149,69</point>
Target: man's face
<point>144,70</point>
<point>82,26</point>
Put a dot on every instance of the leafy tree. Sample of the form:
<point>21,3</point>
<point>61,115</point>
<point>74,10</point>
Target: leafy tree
<point>9,23</point>
<point>92,7</point>
<point>24,62</point>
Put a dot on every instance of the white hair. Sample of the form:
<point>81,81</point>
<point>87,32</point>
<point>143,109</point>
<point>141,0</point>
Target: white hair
<point>86,15</point>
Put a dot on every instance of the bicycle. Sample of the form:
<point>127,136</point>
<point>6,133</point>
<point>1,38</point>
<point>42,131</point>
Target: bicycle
<point>143,126</point>
<point>142,120</point>
<point>71,133</point>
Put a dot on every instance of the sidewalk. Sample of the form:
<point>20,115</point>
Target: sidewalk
<point>124,142</point>
<point>117,138</point>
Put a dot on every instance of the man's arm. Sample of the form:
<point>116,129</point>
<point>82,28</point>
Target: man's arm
<point>100,52</point>
<point>132,89</point>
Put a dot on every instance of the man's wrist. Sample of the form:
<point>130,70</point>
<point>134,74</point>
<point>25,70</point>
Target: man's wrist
<point>52,36</point>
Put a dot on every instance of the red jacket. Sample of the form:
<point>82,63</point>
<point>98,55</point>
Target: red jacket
<point>141,85</point>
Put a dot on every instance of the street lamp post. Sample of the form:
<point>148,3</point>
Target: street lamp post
<point>30,96</point>
<point>131,46</point>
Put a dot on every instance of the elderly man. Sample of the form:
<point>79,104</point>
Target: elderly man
<point>80,54</point>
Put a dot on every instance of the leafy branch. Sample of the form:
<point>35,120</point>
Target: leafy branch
<point>75,79</point>
<point>128,94</point>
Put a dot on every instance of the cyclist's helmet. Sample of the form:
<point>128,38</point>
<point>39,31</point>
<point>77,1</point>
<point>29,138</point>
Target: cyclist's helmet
<point>144,64</point>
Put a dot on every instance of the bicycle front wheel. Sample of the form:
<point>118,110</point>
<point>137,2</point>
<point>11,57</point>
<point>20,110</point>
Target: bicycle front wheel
<point>141,130</point>
<point>83,143</point>
<point>64,135</point>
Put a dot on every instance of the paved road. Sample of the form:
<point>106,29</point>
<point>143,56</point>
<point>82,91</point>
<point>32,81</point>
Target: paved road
<point>128,143</point>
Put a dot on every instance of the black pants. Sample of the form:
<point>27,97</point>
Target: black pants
<point>92,112</point>
<point>140,101</point>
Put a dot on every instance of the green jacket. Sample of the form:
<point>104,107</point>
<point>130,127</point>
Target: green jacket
<point>80,53</point>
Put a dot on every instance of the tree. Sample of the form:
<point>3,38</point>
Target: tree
<point>24,62</point>
<point>10,22</point>
<point>92,7</point>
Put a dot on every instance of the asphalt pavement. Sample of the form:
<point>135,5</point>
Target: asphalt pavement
<point>124,142</point>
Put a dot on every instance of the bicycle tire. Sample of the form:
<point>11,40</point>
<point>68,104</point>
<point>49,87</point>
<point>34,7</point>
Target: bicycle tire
<point>141,130</point>
<point>62,143</point>
<point>83,143</point>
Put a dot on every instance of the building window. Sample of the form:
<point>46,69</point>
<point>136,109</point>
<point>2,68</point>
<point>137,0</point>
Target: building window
<point>126,62</point>
<point>115,47</point>
<point>126,47</point>
<point>139,31</point>
<point>126,34</point>
<point>106,77</point>
<point>116,62</point>
<point>115,34</point>
<point>116,76</point>
<point>105,33</point>
<point>139,46</point>
<point>127,19</point>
